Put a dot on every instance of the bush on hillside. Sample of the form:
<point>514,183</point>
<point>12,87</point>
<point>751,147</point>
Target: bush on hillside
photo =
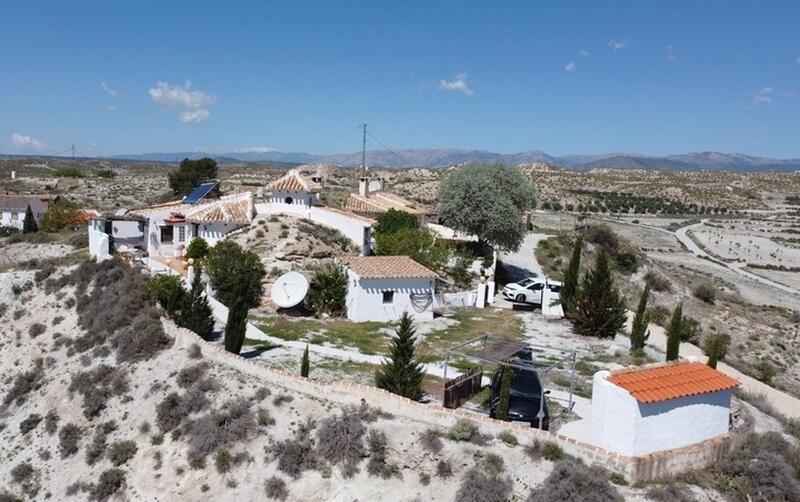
<point>340,441</point>
<point>572,481</point>
<point>328,291</point>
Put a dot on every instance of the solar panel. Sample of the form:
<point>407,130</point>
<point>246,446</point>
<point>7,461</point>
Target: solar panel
<point>198,193</point>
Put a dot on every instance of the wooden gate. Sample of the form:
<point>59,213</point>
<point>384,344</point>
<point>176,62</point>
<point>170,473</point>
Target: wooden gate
<point>460,389</point>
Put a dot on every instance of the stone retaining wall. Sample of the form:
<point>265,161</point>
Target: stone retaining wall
<point>635,469</point>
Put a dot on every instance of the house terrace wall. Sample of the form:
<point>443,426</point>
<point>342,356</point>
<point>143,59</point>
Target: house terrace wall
<point>636,469</point>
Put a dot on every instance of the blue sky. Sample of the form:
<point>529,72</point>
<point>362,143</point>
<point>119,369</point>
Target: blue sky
<point>652,77</point>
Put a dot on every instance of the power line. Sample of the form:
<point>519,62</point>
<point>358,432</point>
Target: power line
<point>400,157</point>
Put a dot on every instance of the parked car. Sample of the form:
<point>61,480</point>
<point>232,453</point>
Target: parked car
<point>530,290</point>
<point>526,403</point>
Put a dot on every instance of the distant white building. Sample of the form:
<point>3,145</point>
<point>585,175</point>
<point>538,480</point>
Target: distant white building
<point>636,411</point>
<point>13,208</point>
<point>293,193</point>
<point>371,200</point>
<point>382,288</point>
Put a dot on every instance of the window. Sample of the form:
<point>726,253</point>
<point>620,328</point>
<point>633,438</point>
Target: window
<point>388,297</point>
<point>166,234</point>
<point>288,200</point>
<point>14,216</point>
<point>181,234</point>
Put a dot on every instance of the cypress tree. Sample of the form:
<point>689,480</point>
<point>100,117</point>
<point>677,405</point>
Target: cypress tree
<point>569,291</point>
<point>600,307</point>
<point>236,325</point>
<point>716,347</point>
<point>196,314</point>
<point>674,333</point>
<point>639,331</point>
<point>401,374</point>
<point>501,412</point>
<point>29,223</point>
<point>304,364</point>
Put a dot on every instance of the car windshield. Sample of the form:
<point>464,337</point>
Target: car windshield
<point>526,384</point>
<point>525,282</point>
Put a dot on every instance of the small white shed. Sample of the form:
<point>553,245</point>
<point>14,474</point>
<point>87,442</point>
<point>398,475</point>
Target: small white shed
<point>382,288</point>
<point>636,411</point>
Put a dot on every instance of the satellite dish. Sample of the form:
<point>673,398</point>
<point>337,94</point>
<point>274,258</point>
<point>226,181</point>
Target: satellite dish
<point>289,290</point>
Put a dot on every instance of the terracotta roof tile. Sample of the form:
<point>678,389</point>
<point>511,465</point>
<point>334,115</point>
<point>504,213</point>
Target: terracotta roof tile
<point>294,181</point>
<point>380,202</point>
<point>236,208</point>
<point>652,384</point>
<point>387,267</point>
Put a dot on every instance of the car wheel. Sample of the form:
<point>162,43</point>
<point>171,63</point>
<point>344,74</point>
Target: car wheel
<point>520,298</point>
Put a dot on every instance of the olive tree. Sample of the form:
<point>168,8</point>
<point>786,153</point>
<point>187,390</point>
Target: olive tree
<point>488,201</point>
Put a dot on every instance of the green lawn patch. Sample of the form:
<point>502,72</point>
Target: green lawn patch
<point>367,337</point>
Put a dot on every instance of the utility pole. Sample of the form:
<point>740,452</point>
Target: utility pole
<point>364,147</point>
<point>73,152</point>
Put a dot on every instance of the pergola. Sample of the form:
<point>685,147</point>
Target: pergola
<point>491,349</point>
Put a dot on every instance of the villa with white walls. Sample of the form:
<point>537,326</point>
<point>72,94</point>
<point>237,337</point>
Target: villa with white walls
<point>382,288</point>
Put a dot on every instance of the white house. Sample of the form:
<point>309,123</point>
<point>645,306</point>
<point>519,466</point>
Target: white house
<point>165,230</point>
<point>297,194</point>
<point>636,411</point>
<point>381,288</point>
<point>293,193</point>
<point>13,208</point>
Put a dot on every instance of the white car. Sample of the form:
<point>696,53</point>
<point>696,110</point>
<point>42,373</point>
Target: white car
<point>531,290</point>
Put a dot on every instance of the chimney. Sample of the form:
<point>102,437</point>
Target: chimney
<point>363,186</point>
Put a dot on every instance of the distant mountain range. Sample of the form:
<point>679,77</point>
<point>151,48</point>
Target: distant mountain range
<point>436,158</point>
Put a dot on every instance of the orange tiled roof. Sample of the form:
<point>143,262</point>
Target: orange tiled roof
<point>652,384</point>
<point>293,181</point>
<point>236,208</point>
<point>380,202</point>
<point>387,267</point>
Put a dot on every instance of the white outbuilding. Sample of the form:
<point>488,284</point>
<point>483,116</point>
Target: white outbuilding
<point>382,288</point>
<point>636,411</point>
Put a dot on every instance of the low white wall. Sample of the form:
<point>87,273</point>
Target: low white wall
<point>127,232</point>
<point>98,244</point>
<point>213,232</point>
<point>365,298</point>
<point>355,229</point>
<point>620,423</point>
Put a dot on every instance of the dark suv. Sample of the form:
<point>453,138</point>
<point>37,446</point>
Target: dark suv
<point>525,401</point>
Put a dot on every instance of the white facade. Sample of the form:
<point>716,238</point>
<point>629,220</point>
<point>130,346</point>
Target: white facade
<point>293,202</point>
<point>621,423</point>
<point>13,214</point>
<point>386,299</point>
<point>166,239</point>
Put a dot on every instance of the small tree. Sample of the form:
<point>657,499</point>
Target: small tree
<point>393,220</point>
<point>328,291</point>
<point>29,223</point>
<point>639,331</point>
<point>191,173</point>
<point>196,314</point>
<point>304,364</point>
<point>63,214</point>
<point>401,374</point>
<point>488,201</point>
<point>236,277</point>
<point>168,291</point>
<point>197,248</point>
<point>501,412</point>
<point>716,347</point>
<point>418,243</point>
<point>674,331</point>
<point>569,291</point>
<point>601,309</point>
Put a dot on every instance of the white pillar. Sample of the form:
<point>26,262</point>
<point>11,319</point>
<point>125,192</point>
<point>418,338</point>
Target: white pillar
<point>491,286</point>
<point>480,301</point>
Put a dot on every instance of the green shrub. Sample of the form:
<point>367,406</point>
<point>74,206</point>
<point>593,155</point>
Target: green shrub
<point>168,291</point>
<point>328,291</point>
<point>705,292</point>
<point>30,423</point>
<point>275,488</point>
<point>122,451</point>
<point>462,430</point>
<point>552,452</point>
<point>508,438</point>
<point>68,438</point>
<point>222,460</point>
<point>69,172</point>
<point>392,221</point>
<point>197,248</point>
<point>60,216</point>
<point>571,480</point>
<point>109,483</point>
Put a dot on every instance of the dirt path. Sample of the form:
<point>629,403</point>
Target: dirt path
<point>522,263</point>
<point>682,235</point>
